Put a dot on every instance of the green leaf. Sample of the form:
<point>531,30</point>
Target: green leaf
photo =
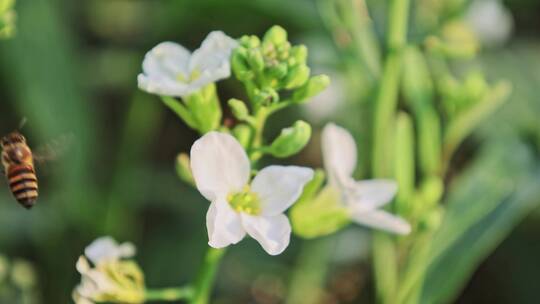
<point>483,207</point>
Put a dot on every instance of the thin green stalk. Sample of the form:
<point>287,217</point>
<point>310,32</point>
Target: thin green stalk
<point>260,120</point>
<point>169,294</point>
<point>387,95</point>
<point>384,249</point>
<point>207,274</point>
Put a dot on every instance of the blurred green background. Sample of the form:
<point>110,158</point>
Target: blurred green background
<point>71,69</point>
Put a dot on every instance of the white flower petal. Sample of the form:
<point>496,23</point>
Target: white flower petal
<point>370,194</point>
<point>106,249</point>
<point>380,219</point>
<point>272,232</point>
<point>167,60</point>
<point>82,265</point>
<point>212,59</point>
<point>223,224</point>
<point>162,86</point>
<point>162,67</point>
<point>278,187</point>
<point>219,165</point>
<point>339,152</point>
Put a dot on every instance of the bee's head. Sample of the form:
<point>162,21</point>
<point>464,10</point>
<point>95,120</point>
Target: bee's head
<point>12,138</point>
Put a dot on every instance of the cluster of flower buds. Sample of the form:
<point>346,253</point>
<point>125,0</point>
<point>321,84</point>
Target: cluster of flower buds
<point>114,278</point>
<point>459,96</point>
<point>269,66</point>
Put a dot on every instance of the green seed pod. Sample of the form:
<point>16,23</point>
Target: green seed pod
<point>291,140</point>
<point>238,108</point>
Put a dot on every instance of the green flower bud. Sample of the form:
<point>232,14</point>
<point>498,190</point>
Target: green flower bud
<point>265,97</point>
<point>250,41</point>
<point>456,40</point>
<point>432,190</point>
<point>242,133</point>
<point>297,77</point>
<point>183,168</point>
<point>238,108</point>
<point>240,65</point>
<point>276,35</point>
<point>298,55</point>
<point>432,219</point>
<point>278,71</point>
<point>255,59</point>
<point>314,86</point>
<point>291,140</point>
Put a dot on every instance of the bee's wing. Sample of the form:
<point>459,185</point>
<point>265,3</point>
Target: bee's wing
<point>54,149</point>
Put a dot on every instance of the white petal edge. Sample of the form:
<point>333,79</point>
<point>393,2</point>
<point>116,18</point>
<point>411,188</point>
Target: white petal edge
<point>371,194</point>
<point>219,165</point>
<point>223,224</point>
<point>272,232</point>
<point>382,220</point>
<point>107,249</point>
<point>278,187</point>
<point>339,152</point>
<point>162,86</point>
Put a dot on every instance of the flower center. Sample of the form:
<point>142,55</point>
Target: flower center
<point>194,75</point>
<point>245,201</point>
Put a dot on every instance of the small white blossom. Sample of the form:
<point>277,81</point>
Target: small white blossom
<point>362,199</point>
<point>110,279</point>
<point>170,69</point>
<point>221,170</point>
<point>107,249</point>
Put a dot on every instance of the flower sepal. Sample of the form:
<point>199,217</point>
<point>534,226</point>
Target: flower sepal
<point>319,216</point>
<point>205,109</point>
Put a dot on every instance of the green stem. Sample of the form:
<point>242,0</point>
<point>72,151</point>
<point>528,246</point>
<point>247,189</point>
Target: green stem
<point>260,120</point>
<point>169,294</point>
<point>384,249</point>
<point>207,273</point>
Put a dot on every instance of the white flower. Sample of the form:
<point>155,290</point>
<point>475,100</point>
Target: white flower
<point>170,69</point>
<point>362,199</point>
<point>107,249</point>
<point>111,279</point>
<point>491,21</point>
<point>221,170</point>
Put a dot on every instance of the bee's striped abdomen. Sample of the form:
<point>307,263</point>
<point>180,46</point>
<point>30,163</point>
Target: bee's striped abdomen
<point>23,184</point>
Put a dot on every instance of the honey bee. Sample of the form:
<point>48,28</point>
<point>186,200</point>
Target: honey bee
<point>18,163</point>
